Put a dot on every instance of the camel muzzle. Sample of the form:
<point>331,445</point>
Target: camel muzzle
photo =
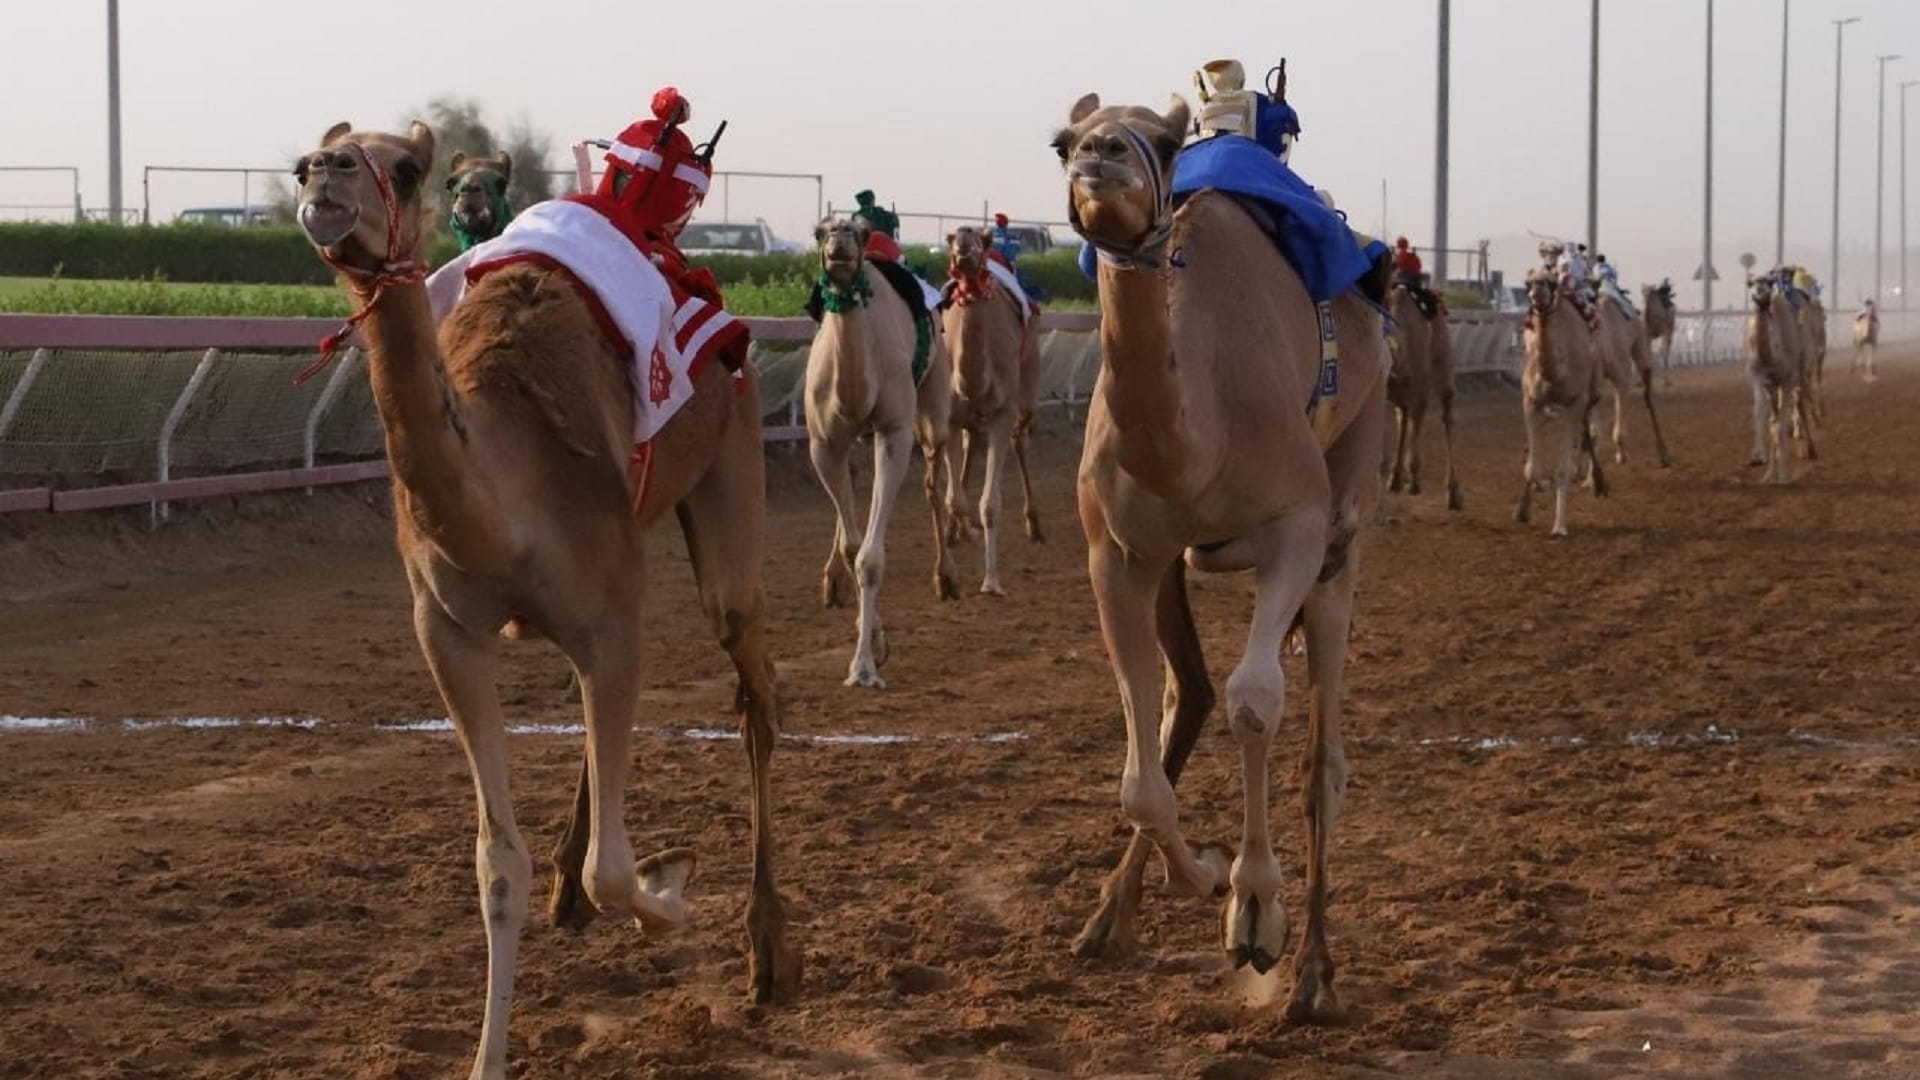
<point>327,223</point>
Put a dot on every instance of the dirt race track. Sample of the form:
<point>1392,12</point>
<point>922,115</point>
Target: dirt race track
<point>1644,802</point>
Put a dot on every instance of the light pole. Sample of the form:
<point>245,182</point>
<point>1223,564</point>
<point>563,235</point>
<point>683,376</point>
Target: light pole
<point>1905,303</point>
<point>1833,277</point>
<point>1880,181</point>
<point>1706,248</point>
<point>1593,137</point>
<point>113,109</point>
<point>1780,211</point>
<point>1440,157</point>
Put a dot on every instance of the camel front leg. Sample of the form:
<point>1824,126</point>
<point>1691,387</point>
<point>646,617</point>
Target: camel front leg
<point>1779,437</point>
<point>1620,420</point>
<point>1762,413</point>
<point>1187,701</point>
<point>890,452</point>
<point>1579,438</point>
<point>990,494</point>
<point>1403,427</point>
<point>1416,424</point>
<point>1659,438</point>
<point>1529,472</point>
<point>1124,591</point>
<point>832,464</point>
<point>1254,921</point>
<point>463,667</point>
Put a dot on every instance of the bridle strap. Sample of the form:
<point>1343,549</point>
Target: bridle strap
<point>367,285</point>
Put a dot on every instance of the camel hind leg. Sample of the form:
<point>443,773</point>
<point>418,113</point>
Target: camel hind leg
<point>1454,499</point>
<point>1185,705</point>
<point>1022,431</point>
<point>463,667</point>
<point>933,450</point>
<point>724,520</point>
<point>960,526</point>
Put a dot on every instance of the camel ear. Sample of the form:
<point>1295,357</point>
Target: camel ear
<point>337,131</point>
<point>1177,118</point>
<point>422,138</point>
<point>506,165</point>
<point>951,237</point>
<point>459,156</point>
<point>820,234</point>
<point>1083,108</point>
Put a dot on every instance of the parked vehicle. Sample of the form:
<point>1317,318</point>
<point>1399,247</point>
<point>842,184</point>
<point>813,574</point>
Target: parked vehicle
<point>733,238</point>
<point>227,217</point>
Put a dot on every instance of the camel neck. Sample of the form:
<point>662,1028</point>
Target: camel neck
<point>1142,388</point>
<point>426,433</point>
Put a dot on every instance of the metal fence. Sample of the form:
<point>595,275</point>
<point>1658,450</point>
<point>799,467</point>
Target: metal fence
<point>125,411</point>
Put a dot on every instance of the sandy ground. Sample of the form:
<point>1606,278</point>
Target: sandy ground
<point>1644,802</point>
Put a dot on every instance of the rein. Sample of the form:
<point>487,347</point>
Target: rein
<point>367,285</point>
<point>1148,251</point>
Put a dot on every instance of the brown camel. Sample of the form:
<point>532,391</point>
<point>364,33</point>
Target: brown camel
<point>1866,342</point>
<point>996,387</point>
<point>1777,367</point>
<point>1422,370</point>
<point>510,439</point>
<point>478,188</point>
<point>860,379</point>
<point>1200,451</point>
<point>1813,326</point>
<point>1625,356</point>
<point>1561,383</point>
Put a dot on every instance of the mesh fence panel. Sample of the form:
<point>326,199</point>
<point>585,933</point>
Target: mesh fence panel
<point>95,416</point>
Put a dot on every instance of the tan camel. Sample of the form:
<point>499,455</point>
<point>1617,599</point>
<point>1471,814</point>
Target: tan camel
<point>1422,370</point>
<point>509,439</point>
<point>1561,383</point>
<point>1777,367</point>
<point>1866,342</point>
<point>1626,356</point>
<point>1658,315</point>
<point>1200,452</point>
<point>478,188</point>
<point>860,379</point>
<point>996,387</point>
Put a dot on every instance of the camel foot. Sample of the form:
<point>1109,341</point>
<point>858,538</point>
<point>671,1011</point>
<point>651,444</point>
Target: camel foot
<point>568,907</point>
<point>945,587</point>
<point>773,965</point>
<point>1756,462</point>
<point>1109,931</point>
<point>1314,1001</point>
<point>1034,533</point>
<point>1255,928</point>
<point>1413,487</point>
<point>1396,485</point>
<point>992,587</point>
<point>1600,488</point>
<point>1454,501</point>
<point>665,877</point>
<point>1523,511</point>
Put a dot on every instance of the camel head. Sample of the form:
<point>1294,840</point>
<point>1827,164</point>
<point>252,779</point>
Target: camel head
<point>477,189</point>
<point>1543,292</point>
<point>967,250</point>
<point>1761,290</point>
<point>843,247</point>
<point>1119,161</point>
<point>360,199</point>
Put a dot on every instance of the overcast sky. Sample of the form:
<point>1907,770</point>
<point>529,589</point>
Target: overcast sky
<point>940,107</point>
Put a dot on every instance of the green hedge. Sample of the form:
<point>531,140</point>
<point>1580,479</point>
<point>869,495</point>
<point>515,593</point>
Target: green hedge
<point>280,255</point>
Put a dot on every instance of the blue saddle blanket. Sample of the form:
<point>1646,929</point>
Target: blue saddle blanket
<point>1314,240</point>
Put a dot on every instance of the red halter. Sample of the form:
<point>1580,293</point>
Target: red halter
<point>367,285</point>
<point>969,286</point>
